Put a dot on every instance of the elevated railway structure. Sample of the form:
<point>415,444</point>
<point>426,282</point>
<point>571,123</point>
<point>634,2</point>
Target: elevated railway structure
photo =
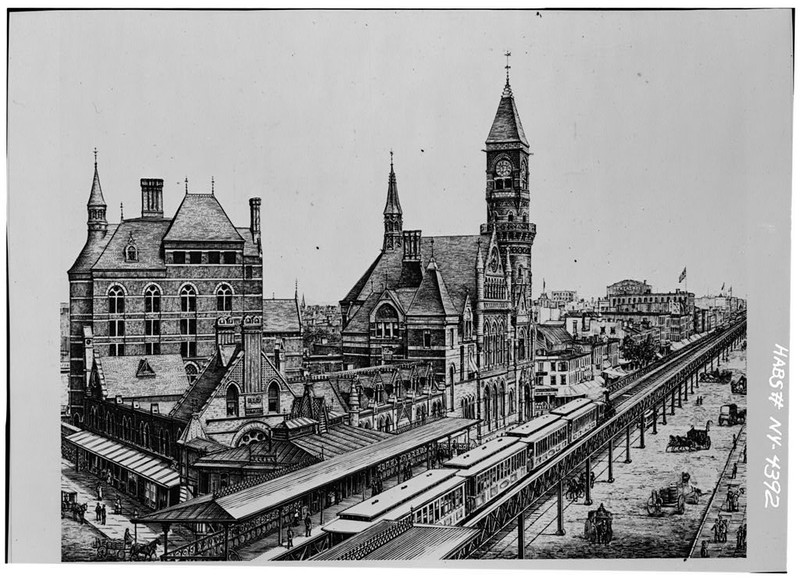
<point>635,402</point>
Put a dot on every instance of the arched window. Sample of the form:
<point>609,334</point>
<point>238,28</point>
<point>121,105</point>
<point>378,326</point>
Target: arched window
<point>116,299</point>
<point>511,401</point>
<point>191,372</point>
<point>152,299</point>
<point>188,299</point>
<point>273,397</point>
<point>146,436</point>
<point>109,424</point>
<point>131,254</point>
<point>387,322</point>
<point>510,217</point>
<point>224,298</point>
<point>232,400</point>
<point>380,424</point>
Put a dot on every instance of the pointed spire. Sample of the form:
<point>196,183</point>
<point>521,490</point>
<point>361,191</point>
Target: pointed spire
<point>479,260</point>
<point>96,196</point>
<point>507,127</point>
<point>392,197</point>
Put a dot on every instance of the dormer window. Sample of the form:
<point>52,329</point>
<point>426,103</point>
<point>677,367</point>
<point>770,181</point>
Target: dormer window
<point>387,322</point>
<point>131,252</point>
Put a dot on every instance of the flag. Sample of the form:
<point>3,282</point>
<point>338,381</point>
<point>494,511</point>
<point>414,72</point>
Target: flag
<point>723,287</point>
<point>683,275</point>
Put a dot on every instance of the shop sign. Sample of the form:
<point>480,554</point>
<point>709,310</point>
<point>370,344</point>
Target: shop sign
<point>253,405</point>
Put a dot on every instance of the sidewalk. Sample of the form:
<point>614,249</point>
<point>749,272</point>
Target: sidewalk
<point>719,507</point>
<point>84,484</point>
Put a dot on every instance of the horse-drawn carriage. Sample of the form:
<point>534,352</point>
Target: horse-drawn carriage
<point>597,527</point>
<point>716,376</point>
<point>70,505</point>
<point>124,550</point>
<point>675,495</point>
<point>739,383</point>
<point>731,414</point>
<point>694,440</point>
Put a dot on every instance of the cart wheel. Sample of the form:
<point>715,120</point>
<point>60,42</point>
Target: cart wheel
<point>680,505</point>
<point>102,553</point>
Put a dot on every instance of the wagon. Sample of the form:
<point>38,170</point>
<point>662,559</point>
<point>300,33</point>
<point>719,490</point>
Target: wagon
<point>112,549</point>
<point>69,498</point>
<point>675,495</point>
<point>693,440</point>
<point>731,414</point>
<point>598,526</point>
<point>739,383</point>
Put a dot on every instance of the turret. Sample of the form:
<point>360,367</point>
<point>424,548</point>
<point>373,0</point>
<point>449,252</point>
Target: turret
<point>98,225</point>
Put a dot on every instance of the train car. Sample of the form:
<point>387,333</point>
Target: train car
<point>490,469</point>
<point>436,497</point>
<point>582,416</point>
<point>545,436</point>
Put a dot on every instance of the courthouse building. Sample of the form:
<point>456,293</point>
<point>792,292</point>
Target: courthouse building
<point>460,303</point>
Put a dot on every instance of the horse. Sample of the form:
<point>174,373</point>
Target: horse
<point>147,550</point>
<point>78,510</point>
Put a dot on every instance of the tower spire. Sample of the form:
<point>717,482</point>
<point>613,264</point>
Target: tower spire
<point>508,67</point>
<point>392,213</point>
<point>97,205</point>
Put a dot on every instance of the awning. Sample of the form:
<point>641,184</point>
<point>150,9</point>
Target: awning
<point>145,465</point>
<point>614,373</point>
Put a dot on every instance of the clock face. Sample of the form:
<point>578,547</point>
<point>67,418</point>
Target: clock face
<point>503,168</point>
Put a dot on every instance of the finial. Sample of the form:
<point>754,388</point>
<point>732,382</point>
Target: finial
<point>391,159</point>
<point>508,66</point>
<point>95,158</point>
<point>186,184</point>
<point>212,185</point>
<point>433,253</point>
<point>121,217</point>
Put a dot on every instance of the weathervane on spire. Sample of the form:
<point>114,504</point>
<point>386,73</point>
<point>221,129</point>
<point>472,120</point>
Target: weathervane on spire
<point>508,66</point>
<point>95,158</point>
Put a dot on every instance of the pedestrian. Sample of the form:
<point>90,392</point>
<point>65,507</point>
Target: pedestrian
<point>591,479</point>
<point>735,468</point>
<point>724,531</point>
<point>735,502</point>
<point>715,529</point>
<point>127,538</point>
<point>97,512</point>
<point>103,514</point>
<point>704,549</point>
<point>289,537</point>
<point>734,440</point>
<point>729,498</point>
<point>308,525</point>
<point>744,453</point>
<point>296,518</point>
<point>99,491</point>
<point>118,505</point>
<point>108,477</point>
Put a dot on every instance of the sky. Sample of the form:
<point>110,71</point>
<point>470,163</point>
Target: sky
<point>650,133</point>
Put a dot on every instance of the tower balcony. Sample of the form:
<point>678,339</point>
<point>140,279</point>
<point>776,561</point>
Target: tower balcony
<point>511,231</point>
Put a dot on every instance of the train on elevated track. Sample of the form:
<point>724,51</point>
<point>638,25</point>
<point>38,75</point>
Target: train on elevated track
<point>470,481</point>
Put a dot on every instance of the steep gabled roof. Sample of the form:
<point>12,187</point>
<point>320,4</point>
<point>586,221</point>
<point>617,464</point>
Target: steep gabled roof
<point>432,297</point>
<point>204,387</point>
<point>122,376</point>
<point>199,218</point>
<point>507,126</point>
<point>281,316</point>
<point>146,236</point>
<point>91,251</point>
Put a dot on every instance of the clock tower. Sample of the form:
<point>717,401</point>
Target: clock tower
<point>508,194</point>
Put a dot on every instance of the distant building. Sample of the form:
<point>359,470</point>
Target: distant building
<point>283,333</point>
<point>563,297</point>
<point>633,302</point>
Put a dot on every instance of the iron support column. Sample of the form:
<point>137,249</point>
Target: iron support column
<point>588,481</point>
<point>611,459</point>
<point>560,524</point>
<point>641,431</point>
<point>627,444</point>
<point>664,412</point>
<point>672,402</point>
<point>655,419</point>
<point>521,535</point>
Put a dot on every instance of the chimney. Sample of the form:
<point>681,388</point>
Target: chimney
<point>251,342</point>
<point>152,197</point>
<point>255,218</point>
<point>226,334</point>
<point>412,242</point>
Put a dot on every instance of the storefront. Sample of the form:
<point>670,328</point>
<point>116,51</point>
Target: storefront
<point>149,479</point>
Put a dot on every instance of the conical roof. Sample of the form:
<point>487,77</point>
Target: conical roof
<point>96,197</point>
<point>392,198</point>
<point>507,126</point>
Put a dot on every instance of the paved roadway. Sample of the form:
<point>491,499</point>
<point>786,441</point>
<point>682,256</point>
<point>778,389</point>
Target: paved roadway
<point>636,535</point>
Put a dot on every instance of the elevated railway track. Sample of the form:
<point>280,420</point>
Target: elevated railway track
<point>636,401</point>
